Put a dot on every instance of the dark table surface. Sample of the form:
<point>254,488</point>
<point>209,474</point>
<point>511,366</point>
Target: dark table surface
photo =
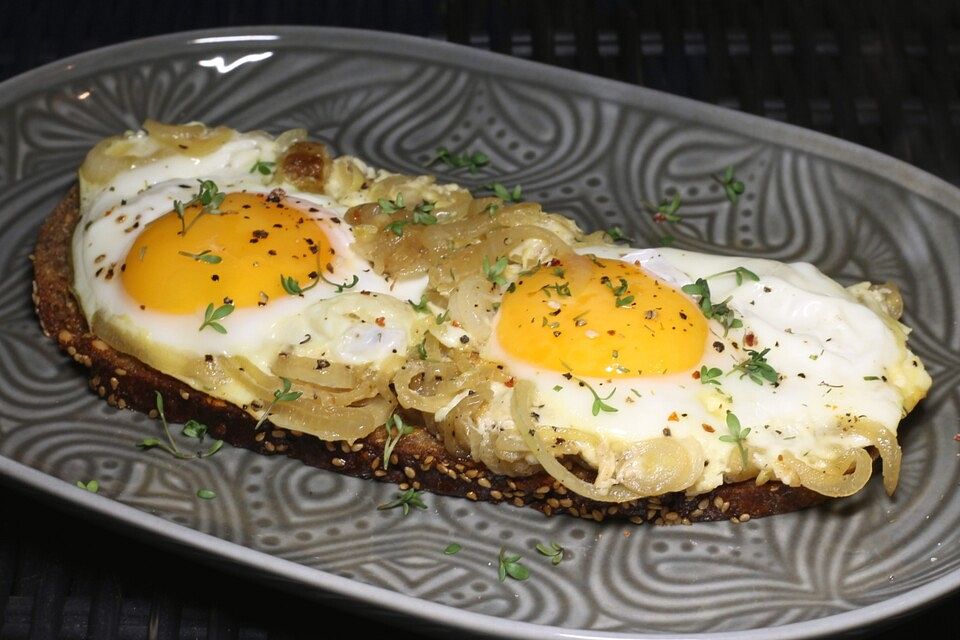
<point>882,74</point>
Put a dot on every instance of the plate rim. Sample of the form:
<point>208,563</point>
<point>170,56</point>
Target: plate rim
<point>287,573</point>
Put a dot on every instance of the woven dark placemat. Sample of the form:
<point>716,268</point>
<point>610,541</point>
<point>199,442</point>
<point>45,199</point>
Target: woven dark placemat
<point>882,74</point>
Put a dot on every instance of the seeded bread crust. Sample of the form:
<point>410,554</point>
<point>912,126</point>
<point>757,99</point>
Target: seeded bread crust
<point>419,461</point>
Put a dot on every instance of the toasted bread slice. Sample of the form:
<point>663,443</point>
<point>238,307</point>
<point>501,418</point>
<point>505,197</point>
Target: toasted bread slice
<point>419,460</point>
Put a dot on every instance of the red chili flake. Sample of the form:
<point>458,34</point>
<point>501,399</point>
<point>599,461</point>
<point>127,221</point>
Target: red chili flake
<point>555,263</point>
<point>749,339</point>
<point>957,437</point>
<point>696,375</point>
<point>707,428</point>
<point>509,383</point>
<point>381,321</point>
<point>674,417</point>
<point>455,323</point>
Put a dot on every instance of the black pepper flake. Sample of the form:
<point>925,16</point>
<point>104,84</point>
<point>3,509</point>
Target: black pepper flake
<point>215,278</point>
<point>314,249</point>
<point>313,210</point>
<point>245,206</point>
<point>666,431</point>
<point>683,316</point>
<point>227,300</point>
<point>277,225</point>
<point>322,364</point>
<point>272,252</point>
<point>718,346</point>
<point>312,275</point>
<point>208,358</point>
<point>464,339</point>
<point>335,220</point>
<point>260,234</point>
<point>276,195</point>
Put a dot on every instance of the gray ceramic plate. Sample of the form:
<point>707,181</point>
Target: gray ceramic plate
<point>581,145</point>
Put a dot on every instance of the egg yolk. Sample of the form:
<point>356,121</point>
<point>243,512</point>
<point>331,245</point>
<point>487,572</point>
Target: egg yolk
<point>236,256</point>
<point>601,318</point>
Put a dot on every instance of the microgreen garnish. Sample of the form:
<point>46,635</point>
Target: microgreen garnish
<point>397,227</point>
<point>666,211</point>
<point>209,197</point>
<point>263,168</point>
<point>391,206</point>
<point>616,234</point>
<point>710,376</point>
<point>741,273</point>
<point>423,213</point>
<point>452,548</point>
<point>492,208</point>
<point>443,317</point>
<point>284,394</point>
<point>93,486</point>
<point>730,184</point>
<point>292,286</point>
<point>508,564</point>
<point>871,378</point>
<point>554,552</point>
<point>505,194</point>
<point>562,289</point>
<point>618,291</point>
<point>468,160</point>
<point>422,349</point>
<point>757,368</point>
<point>737,436</point>
<point>396,429</point>
<point>494,272</point>
<point>666,240</point>
<point>203,256</point>
<point>212,314</point>
<point>598,402</point>
<point>405,500</point>
<point>420,306</point>
<point>339,287</point>
<point>192,429</point>
<point>718,311</point>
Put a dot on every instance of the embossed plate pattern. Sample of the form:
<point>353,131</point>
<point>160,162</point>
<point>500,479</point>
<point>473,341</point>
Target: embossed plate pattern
<point>584,146</point>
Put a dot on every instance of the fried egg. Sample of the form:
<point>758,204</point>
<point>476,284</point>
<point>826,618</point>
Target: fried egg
<point>256,272</point>
<point>618,344</point>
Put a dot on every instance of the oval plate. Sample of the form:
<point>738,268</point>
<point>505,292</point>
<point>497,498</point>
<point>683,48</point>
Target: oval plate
<point>584,146</point>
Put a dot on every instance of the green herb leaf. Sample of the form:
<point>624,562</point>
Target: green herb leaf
<point>719,311</point>
<point>741,274</point>
<point>341,286</point>
<point>391,206</point>
<point>283,394</point>
<point>554,552</point>
<point>710,376</point>
<point>206,494</point>
<point>494,272</point>
<point>263,168</point>
<point>599,403</point>
<point>443,317</point>
<point>737,436</point>
<point>211,315</point>
<point>422,349</point>
<point>452,549</point>
<point>509,565</point>
<point>209,197</point>
<point>92,486</point>
<point>468,160</point>
<point>203,256</point>
<point>405,500</point>
<point>516,195</point>
<point>615,234</point>
<point>757,368</point>
<point>397,227</point>
<point>666,211</point>
<point>423,213</point>
<point>731,186</point>
<point>396,428</point>
<point>151,443</point>
<point>194,429</point>
<point>422,306</point>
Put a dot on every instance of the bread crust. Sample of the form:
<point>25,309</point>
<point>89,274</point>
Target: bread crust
<point>419,460</point>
